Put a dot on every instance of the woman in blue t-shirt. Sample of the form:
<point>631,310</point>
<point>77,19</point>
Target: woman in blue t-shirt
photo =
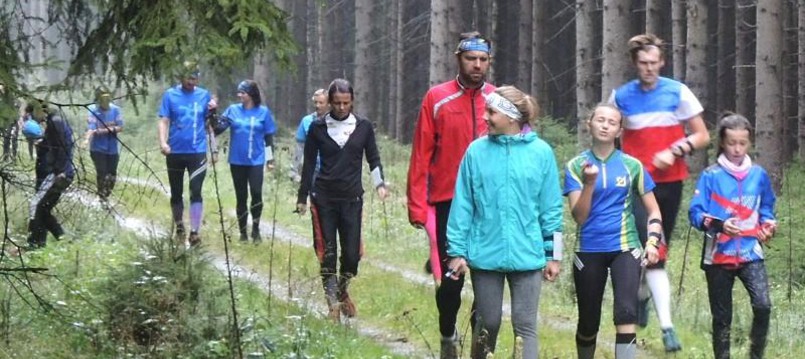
<point>251,135</point>
<point>601,185</point>
<point>104,122</point>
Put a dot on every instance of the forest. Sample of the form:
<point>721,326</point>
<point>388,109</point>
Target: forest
<point>745,56</point>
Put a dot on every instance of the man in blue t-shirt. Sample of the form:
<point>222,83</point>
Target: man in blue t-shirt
<point>183,141</point>
<point>322,106</point>
<point>104,122</point>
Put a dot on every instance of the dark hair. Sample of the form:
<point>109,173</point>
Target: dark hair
<point>732,121</point>
<point>644,42</point>
<point>340,86</point>
<point>250,88</point>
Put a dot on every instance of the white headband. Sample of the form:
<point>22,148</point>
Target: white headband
<point>501,104</point>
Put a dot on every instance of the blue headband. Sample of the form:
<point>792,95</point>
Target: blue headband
<point>473,44</point>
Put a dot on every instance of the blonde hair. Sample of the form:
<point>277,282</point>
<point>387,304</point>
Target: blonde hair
<point>319,92</point>
<point>644,42</point>
<point>525,103</point>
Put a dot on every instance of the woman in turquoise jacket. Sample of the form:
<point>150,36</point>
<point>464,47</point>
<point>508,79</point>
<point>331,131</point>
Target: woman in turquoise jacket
<point>506,220</point>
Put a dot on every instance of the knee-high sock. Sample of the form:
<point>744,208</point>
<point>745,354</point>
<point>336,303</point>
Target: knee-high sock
<point>657,280</point>
<point>196,210</point>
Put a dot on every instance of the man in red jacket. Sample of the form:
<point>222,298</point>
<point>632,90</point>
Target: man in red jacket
<point>450,118</point>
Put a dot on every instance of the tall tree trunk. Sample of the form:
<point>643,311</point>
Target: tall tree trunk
<point>506,65</point>
<point>655,17</point>
<point>696,70</point>
<point>801,77</point>
<point>790,80</point>
<point>538,73</point>
<point>745,58</point>
<point>415,42</point>
<point>365,59</point>
<point>441,43</point>
<point>769,85</point>
<point>398,115</point>
<point>524,47</point>
<point>679,36</point>
<point>586,94</point>
<point>725,99</point>
<point>615,64</point>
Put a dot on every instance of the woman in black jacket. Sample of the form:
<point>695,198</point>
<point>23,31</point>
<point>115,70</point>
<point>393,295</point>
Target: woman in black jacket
<point>339,139</point>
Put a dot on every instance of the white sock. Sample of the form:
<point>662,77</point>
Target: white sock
<point>657,280</point>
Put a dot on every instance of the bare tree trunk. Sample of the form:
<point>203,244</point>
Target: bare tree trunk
<point>615,66</point>
<point>696,70</point>
<point>441,68</point>
<point>745,58</point>
<point>801,77</point>
<point>655,17</point>
<point>396,100</point>
<point>679,36</point>
<point>524,47</point>
<point>586,60</point>
<point>365,59</point>
<point>725,99</point>
<point>538,74</point>
<point>769,85</point>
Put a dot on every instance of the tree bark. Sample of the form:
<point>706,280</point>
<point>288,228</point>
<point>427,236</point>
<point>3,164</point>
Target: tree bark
<point>696,69</point>
<point>586,61</point>
<point>769,85</point>
<point>615,64</point>
<point>725,99</point>
<point>678,37</point>
<point>745,58</point>
<point>524,60</point>
<point>538,74</point>
<point>801,76</point>
<point>365,60</point>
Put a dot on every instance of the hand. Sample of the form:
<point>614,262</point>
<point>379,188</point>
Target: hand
<point>663,159</point>
<point>731,227</point>
<point>652,255</point>
<point>382,192</point>
<point>767,230</point>
<point>269,166</point>
<point>213,104</point>
<point>418,225</point>
<point>551,270</point>
<point>457,268</point>
<point>301,208</point>
<point>165,149</point>
<point>590,174</point>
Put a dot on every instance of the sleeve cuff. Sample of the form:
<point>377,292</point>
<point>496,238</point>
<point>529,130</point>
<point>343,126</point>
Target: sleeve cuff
<point>554,246</point>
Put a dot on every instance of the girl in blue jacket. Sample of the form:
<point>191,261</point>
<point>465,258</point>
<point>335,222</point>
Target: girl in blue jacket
<point>602,185</point>
<point>505,221</point>
<point>251,131</point>
<point>734,205</point>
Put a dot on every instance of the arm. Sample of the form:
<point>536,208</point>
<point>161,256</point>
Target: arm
<point>700,203</point>
<point>768,223</point>
<point>419,167</point>
<point>311,152</point>
<point>581,201</point>
<point>462,209</point>
<point>373,158</point>
<point>162,128</point>
<point>654,226</point>
<point>550,216</point>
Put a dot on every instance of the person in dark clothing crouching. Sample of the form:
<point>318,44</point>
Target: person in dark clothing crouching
<point>339,139</point>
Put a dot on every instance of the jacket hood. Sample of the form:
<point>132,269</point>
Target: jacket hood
<point>512,139</point>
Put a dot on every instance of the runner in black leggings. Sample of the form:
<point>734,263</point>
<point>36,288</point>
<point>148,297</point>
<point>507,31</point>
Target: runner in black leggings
<point>251,130</point>
<point>601,185</point>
